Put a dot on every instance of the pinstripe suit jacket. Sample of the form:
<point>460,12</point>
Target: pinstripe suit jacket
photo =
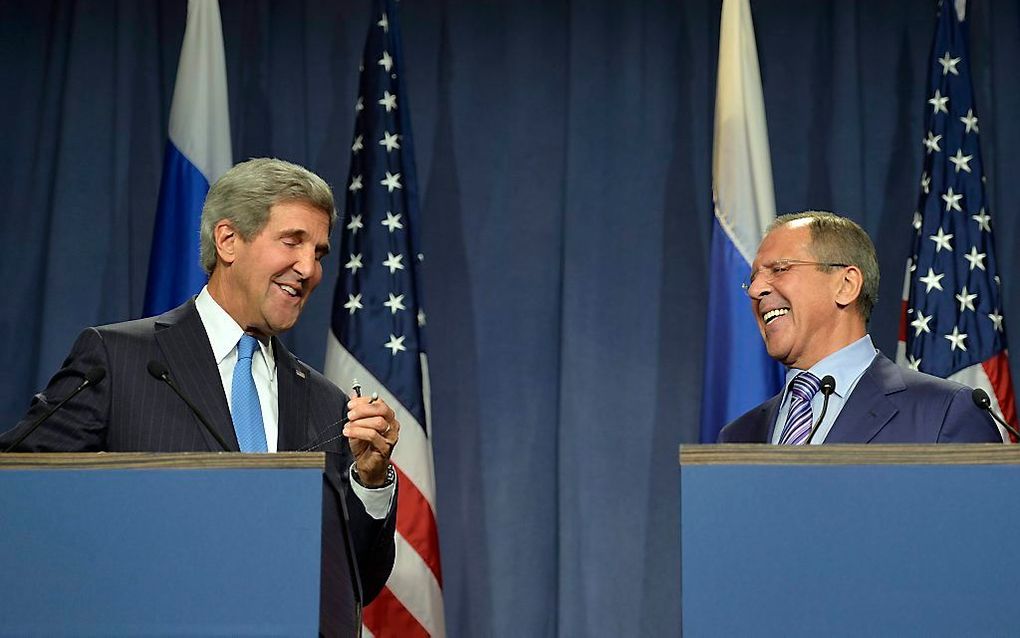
<point>130,411</point>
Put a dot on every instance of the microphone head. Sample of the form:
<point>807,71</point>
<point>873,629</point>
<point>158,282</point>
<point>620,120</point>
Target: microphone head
<point>158,369</point>
<point>95,375</point>
<point>828,385</point>
<point>981,399</point>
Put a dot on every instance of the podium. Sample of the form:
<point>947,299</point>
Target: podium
<point>161,544</point>
<point>849,540</point>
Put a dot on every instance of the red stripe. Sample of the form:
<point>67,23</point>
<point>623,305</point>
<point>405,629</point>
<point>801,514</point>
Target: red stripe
<point>417,524</point>
<point>997,369</point>
<point>903,322</point>
<point>386,617</point>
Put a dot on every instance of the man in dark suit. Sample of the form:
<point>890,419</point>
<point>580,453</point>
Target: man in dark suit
<point>265,228</point>
<point>813,284</point>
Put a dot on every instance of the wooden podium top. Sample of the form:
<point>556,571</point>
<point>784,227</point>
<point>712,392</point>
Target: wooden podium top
<point>161,461</point>
<point>850,454</point>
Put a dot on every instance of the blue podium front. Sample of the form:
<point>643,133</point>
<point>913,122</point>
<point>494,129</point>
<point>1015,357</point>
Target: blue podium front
<point>156,544</point>
<point>849,540</point>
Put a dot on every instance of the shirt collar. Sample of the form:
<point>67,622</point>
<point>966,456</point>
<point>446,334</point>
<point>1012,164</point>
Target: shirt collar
<point>845,365</point>
<point>223,331</point>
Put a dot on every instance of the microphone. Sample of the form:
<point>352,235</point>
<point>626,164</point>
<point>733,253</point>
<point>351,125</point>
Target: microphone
<point>982,401</point>
<point>160,371</point>
<point>828,387</point>
<point>92,377</point>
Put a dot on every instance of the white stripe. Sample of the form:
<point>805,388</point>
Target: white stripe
<point>414,584</point>
<point>741,168</point>
<point>199,113</point>
<point>413,454</point>
<point>976,377</point>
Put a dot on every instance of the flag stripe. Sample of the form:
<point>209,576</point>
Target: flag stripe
<point>414,585</point>
<point>418,525</point>
<point>197,154</point>
<point>738,372</point>
<point>386,616</point>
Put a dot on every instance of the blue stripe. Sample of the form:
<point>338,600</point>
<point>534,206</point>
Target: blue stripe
<point>739,374</point>
<point>174,270</point>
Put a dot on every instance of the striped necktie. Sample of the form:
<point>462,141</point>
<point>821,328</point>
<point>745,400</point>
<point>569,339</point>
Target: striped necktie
<point>798,423</point>
<point>244,400</point>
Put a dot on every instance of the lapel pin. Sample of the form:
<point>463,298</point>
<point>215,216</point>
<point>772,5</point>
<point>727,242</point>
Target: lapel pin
<point>299,372</point>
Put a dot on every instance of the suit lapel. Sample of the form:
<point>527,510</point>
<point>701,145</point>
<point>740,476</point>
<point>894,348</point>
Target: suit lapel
<point>770,410</point>
<point>293,396</point>
<point>868,409</point>
<point>185,345</point>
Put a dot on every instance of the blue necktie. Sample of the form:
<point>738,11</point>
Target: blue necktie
<point>798,423</point>
<point>247,413</point>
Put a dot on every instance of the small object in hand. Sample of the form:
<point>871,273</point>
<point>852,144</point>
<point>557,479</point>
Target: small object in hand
<point>356,387</point>
<point>375,397</point>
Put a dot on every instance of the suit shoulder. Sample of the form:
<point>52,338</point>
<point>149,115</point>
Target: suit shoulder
<point>751,426</point>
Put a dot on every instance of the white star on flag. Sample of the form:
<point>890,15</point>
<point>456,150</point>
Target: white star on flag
<point>966,300</point>
<point>932,143</point>
<point>389,100</point>
<point>976,259</point>
<point>970,121</point>
<point>925,182</point>
<point>939,103</point>
<point>392,222</point>
<point>996,319</point>
<point>983,220</point>
<point>391,143</point>
<point>353,303</point>
<point>391,181</point>
<point>956,339</point>
<point>354,263</point>
<point>387,62</point>
<point>393,262</point>
<point>914,363</point>
<point>949,64</point>
<point>358,144</point>
<point>931,280</point>
<point>952,200</point>
<point>961,161</point>
<point>395,303</point>
<point>396,344</point>
<point>421,317</point>
<point>385,24</point>
<point>355,224</point>
<point>355,184</point>
<point>941,240</point>
<point>921,324</point>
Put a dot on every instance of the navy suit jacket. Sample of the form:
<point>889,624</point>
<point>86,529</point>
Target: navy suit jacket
<point>130,411</point>
<point>890,404</point>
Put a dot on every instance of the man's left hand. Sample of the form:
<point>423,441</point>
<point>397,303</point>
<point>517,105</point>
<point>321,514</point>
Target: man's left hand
<point>372,431</point>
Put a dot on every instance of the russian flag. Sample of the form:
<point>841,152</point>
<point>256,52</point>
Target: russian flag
<point>197,153</point>
<point>739,374</point>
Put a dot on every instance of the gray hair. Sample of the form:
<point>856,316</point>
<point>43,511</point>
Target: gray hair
<point>838,240</point>
<point>246,192</point>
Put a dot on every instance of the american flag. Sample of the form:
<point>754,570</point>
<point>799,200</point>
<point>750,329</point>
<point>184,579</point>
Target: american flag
<point>952,322</point>
<point>378,326</point>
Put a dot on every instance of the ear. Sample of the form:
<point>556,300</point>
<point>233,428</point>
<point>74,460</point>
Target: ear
<point>850,285</point>
<point>226,239</point>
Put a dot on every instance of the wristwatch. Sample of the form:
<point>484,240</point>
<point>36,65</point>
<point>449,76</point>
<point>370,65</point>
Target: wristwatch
<point>391,476</point>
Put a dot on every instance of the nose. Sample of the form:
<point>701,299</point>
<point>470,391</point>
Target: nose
<point>306,264</point>
<point>759,288</point>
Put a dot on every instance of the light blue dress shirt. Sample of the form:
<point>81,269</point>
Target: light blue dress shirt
<point>846,366</point>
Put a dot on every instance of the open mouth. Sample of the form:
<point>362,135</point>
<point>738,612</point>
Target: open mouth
<point>290,290</point>
<point>772,315</point>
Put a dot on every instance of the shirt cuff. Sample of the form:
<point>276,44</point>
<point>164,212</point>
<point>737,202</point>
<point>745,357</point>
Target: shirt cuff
<point>377,501</point>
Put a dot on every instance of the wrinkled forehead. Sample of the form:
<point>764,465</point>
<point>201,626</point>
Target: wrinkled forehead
<point>789,241</point>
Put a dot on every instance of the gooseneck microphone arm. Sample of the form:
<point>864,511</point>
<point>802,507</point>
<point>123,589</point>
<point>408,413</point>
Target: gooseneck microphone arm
<point>92,377</point>
<point>828,387</point>
<point>161,372</point>
<point>981,400</point>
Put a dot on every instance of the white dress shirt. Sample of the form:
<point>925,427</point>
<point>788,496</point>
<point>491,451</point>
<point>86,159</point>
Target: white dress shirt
<point>224,333</point>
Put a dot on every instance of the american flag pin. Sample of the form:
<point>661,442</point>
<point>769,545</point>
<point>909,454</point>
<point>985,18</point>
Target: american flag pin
<point>299,372</point>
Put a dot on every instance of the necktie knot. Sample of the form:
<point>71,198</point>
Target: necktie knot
<point>246,346</point>
<point>805,385</point>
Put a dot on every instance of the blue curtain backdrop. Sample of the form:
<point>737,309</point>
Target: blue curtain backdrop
<point>564,155</point>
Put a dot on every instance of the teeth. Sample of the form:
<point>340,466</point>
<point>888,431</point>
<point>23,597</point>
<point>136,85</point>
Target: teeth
<point>290,290</point>
<point>773,314</point>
